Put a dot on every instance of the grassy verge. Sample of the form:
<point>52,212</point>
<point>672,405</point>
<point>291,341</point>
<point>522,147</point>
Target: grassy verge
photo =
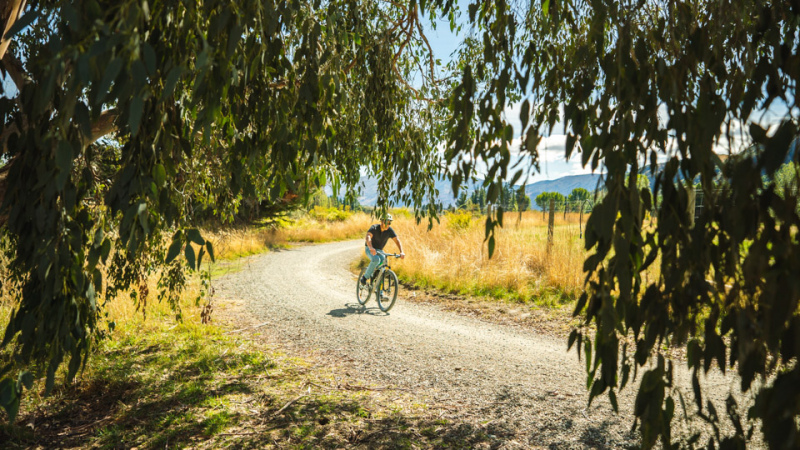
<point>191,385</point>
<point>158,383</point>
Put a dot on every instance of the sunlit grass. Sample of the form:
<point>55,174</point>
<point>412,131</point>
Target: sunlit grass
<point>453,256</point>
<point>313,227</point>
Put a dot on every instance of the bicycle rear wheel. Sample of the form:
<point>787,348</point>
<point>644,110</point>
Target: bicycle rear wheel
<point>387,291</point>
<point>363,291</point>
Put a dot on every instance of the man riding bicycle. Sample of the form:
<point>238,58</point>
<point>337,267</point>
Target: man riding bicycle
<point>377,237</point>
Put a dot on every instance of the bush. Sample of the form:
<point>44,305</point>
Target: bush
<point>402,213</point>
<point>329,214</point>
<point>459,221</point>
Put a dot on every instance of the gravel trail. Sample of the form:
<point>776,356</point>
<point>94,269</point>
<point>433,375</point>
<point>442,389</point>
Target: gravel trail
<point>521,387</point>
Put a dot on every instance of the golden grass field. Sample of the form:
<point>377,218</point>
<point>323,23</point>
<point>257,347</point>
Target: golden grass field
<point>454,257</point>
<point>236,242</point>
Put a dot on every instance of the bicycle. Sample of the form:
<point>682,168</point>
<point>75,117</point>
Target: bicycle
<point>383,282</point>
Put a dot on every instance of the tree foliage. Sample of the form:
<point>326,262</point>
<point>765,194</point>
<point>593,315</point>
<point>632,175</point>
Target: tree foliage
<point>642,83</point>
<point>543,201</point>
<point>199,104</point>
<point>578,195</point>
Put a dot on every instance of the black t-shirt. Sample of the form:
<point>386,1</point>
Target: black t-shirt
<point>379,238</point>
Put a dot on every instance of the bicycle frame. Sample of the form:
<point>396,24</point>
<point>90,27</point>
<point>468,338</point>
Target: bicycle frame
<point>385,262</point>
<point>382,268</point>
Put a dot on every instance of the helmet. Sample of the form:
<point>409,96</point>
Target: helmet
<point>387,218</point>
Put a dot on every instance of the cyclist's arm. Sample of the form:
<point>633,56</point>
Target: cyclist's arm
<point>400,246</point>
<point>369,243</point>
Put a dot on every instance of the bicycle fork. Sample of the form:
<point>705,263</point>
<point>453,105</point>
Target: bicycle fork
<point>378,282</point>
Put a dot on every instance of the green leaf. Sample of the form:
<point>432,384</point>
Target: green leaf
<point>9,398</point>
<point>546,7</point>
<point>612,397</point>
<point>200,257</point>
<point>135,116</point>
<point>193,235</point>
<point>105,250</point>
<point>64,159</point>
<point>142,213</point>
<point>160,175</point>
<point>112,71</point>
<point>210,249</point>
<point>491,245</point>
<point>233,38</point>
<point>8,390</point>
<point>172,80</point>
<point>190,258</point>
<point>174,250</point>
<point>21,23</point>
<point>26,379</point>
<point>149,59</point>
<point>524,113</point>
<point>572,337</point>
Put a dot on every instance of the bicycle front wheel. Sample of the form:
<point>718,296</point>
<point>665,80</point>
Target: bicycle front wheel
<point>363,291</point>
<point>387,291</point>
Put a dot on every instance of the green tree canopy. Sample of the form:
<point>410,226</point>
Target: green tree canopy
<point>213,100</point>
<point>578,195</point>
<point>640,84</point>
<point>543,200</point>
<point>203,103</point>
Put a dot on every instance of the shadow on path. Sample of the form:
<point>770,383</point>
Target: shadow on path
<point>352,309</point>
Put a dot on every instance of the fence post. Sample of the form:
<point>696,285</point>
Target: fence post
<point>580,220</point>
<point>551,221</point>
<point>565,209</point>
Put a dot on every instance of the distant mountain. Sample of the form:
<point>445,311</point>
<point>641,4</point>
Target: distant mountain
<point>369,191</point>
<point>565,185</point>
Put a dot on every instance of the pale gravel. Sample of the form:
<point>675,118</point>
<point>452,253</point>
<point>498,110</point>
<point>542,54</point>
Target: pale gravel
<point>521,387</point>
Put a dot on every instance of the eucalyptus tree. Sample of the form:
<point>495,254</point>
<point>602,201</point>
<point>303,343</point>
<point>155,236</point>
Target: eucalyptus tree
<point>127,113</point>
<point>637,84</point>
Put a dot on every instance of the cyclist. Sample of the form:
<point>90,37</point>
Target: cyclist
<point>376,239</point>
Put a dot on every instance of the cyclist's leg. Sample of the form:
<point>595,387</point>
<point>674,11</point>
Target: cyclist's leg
<point>375,261</point>
<point>381,264</point>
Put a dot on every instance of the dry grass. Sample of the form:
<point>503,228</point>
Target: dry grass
<point>306,229</point>
<point>237,242</point>
<point>454,257</point>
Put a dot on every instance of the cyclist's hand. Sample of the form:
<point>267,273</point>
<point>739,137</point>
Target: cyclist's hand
<point>402,256</point>
<point>373,252</point>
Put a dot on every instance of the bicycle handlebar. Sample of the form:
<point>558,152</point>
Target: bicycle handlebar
<point>396,255</point>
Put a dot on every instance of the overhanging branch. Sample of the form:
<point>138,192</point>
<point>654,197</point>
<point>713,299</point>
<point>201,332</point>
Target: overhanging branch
<point>9,13</point>
<point>105,124</point>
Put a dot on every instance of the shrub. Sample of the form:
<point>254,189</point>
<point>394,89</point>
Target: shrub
<point>329,214</point>
<point>459,221</point>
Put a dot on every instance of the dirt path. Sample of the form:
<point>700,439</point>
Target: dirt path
<point>521,387</point>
